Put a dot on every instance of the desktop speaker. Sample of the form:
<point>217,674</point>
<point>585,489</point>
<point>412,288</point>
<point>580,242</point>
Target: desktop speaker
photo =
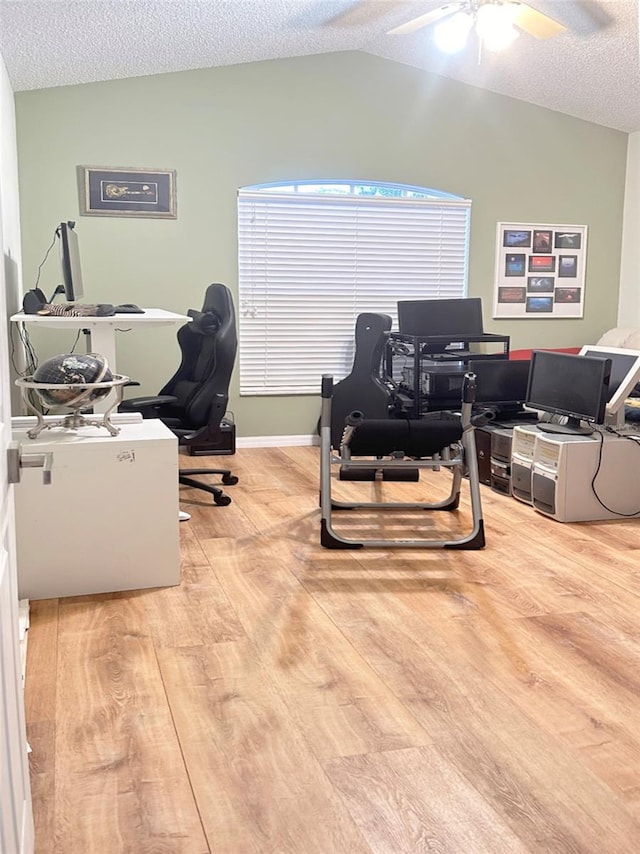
<point>33,301</point>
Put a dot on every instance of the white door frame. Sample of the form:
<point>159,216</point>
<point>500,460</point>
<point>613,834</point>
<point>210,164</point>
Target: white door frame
<point>16,819</point>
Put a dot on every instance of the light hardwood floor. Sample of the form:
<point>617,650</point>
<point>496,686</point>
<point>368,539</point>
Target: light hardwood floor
<point>287,699</point>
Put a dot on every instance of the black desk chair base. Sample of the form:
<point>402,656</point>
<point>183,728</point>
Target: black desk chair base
<point>219,497</point>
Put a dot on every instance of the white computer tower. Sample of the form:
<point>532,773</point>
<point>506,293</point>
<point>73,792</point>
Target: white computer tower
<point>522,453</point>
<point>563,472</point>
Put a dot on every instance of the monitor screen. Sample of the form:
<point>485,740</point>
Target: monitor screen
<point>625,374</point>
<point>440,317</point>
<point>571,385</point>
<point>501,383</point>
<point>70,261</point>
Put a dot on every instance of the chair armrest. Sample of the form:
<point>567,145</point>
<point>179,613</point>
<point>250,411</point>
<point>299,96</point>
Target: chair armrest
<point>199,436</point>
<point>146,405</point>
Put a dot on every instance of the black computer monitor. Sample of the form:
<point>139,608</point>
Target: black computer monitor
<point>501,384</point>
<point>457,317</point>
<point>570,385</point>
<point>70,261</point>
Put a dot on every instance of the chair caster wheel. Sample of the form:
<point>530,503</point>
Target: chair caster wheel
<point>222,500</point>
<point>229,479</point>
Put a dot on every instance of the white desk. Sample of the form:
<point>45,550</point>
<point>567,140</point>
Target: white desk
<point>109,518</point>
<point>103,329</point>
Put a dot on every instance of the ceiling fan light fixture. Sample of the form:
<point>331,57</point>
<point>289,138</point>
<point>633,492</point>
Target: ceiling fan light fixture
<point>494,25</point>
<point>451,35</point>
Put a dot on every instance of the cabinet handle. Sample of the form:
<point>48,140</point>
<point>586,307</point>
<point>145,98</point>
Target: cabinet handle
<point>16,460</point>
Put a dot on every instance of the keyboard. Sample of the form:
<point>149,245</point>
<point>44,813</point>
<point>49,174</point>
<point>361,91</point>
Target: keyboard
<point>128,308</point>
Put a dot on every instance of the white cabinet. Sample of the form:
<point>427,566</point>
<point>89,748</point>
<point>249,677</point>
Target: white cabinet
<point>109,518</point>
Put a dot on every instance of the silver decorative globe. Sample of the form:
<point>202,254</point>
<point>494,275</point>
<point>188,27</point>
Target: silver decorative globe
<point>69,369</point>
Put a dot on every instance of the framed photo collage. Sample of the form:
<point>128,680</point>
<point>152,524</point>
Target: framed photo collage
<point>540,270</point>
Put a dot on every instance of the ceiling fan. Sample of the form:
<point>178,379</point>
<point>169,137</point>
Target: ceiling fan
<point>496,23</point>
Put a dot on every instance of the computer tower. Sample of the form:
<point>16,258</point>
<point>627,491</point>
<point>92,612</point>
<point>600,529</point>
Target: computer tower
<point>563,471</point>
<point>501,476</point>
<point>483,453</point>
<point>522,451</point>
<point>493,446</point>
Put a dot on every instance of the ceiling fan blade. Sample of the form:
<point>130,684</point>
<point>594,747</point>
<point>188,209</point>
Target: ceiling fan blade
<point>424,20</point>
<point>535,23</point>
<point>361,13</point>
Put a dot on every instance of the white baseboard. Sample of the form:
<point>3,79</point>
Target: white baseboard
<point>276,441</point>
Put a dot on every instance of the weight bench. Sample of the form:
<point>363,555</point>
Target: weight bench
<point>396,449</point>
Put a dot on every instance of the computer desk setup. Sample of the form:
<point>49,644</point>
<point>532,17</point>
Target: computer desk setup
<point>102,330</point>
<point>575,466</point>
<point>554,417</point>
<point>101,321</point>
<point>116,474</point>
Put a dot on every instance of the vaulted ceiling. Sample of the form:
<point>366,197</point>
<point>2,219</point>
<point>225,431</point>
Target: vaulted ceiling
<point>591,70</point>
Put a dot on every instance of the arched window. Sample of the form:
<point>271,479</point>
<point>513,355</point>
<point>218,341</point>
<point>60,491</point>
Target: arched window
<point>315,255</point>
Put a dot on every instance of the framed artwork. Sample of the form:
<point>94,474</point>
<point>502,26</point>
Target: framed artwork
<point>106,191</point>
<point>516,238</point>
<point>515,265</point>
<point>512,294</point>
<point>542,240</point>
<point>540,270</point>
<point>542,263</point>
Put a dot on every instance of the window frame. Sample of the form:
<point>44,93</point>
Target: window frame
<point>269,303</point>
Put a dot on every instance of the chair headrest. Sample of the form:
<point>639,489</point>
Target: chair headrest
<point>204,322</point>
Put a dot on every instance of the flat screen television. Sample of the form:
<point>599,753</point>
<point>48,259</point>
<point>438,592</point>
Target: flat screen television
<point>70,261</point>
<point>501,384</point>
<point>625,375</point>
<point>456,317</point>
<point>571,385</point>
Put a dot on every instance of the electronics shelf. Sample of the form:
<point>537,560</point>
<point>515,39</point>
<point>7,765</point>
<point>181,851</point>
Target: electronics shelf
<point>426,372</point>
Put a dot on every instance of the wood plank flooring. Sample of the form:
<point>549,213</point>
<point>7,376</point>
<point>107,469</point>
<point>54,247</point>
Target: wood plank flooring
<point>288,699</point>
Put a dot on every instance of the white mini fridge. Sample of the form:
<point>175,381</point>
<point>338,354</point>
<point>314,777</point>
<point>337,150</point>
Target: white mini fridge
<point>108,520</point>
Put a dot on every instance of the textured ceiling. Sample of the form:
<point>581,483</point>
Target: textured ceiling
<point>591,71</point>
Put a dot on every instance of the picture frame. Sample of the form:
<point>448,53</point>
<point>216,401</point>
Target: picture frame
<point>542,263</point>
<point>130,192</point>
<point>539,305</point>
<point>511,295</point>
<point>514,265</point>
<point>516,238</point>
<point>572,295</point>
<point>540,284</point>
<point>542,240</point>
<point>567,266</point>
<point>540,271</point>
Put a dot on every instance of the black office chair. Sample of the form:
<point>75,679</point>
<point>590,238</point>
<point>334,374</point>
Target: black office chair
<point>193,403</point>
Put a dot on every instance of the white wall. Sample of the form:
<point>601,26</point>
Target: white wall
<point>10,216</point>
<point>9,189</point>
<point>629,305</point>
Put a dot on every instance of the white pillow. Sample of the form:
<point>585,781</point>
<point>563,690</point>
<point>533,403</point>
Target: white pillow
<point>621,336</point>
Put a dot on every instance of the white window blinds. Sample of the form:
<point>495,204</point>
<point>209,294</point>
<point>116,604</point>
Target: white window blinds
<point>309,264</point>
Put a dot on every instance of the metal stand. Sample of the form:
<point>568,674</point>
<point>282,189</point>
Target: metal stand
<point>74,420</point>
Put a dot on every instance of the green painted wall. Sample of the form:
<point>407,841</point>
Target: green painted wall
<point>346,115</point>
